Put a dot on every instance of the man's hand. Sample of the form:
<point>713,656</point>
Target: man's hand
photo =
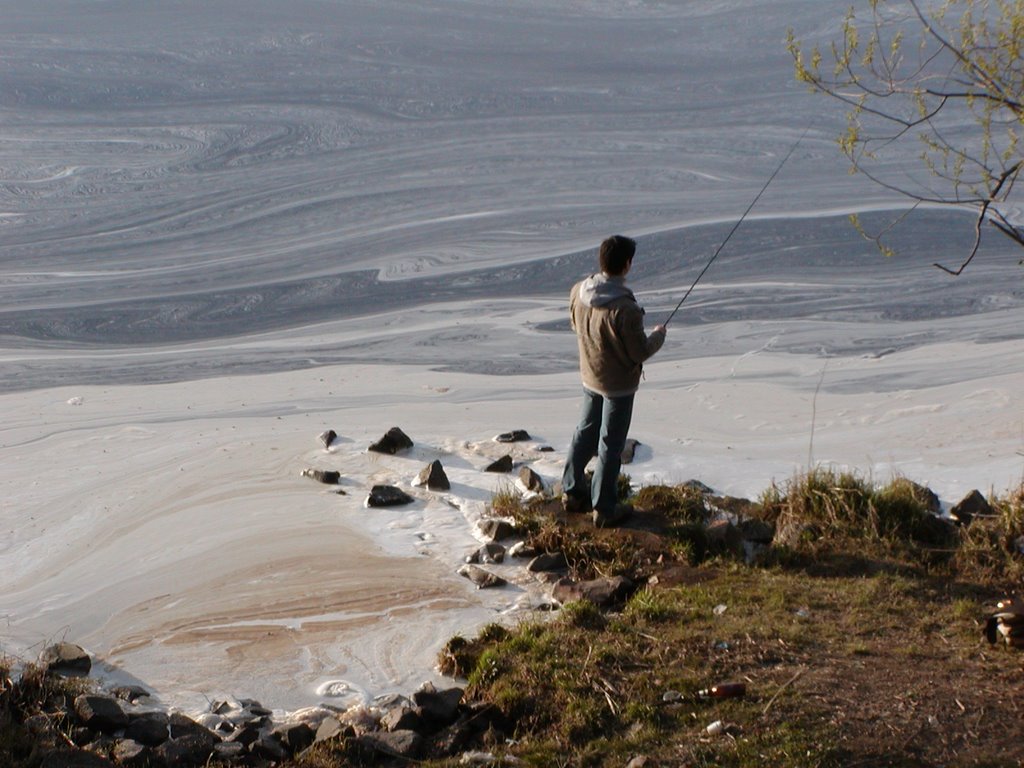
<point>660,328</point>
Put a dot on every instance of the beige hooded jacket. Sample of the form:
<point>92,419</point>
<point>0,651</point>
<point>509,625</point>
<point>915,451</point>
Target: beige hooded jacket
<point>609,327</point>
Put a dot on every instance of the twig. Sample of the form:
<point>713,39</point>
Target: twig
<point>784,686</point>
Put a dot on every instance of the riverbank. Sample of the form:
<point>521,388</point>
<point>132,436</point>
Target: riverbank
<point>842,611</point>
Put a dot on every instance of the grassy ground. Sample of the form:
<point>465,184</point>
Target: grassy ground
<point>859,644</point>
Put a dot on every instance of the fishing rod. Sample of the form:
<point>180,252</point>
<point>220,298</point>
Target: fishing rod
<point>737,225</point>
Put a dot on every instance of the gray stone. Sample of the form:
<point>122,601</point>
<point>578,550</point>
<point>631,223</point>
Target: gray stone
<point>129,752</point>
<point>402,718</point>
<point>66,658</point>
<point>926,496</point>
<point>255,707</point>
<point>325,476</point>
<point>229,750</point>
<point>548,561</point>
<point>185,751</point>
<point>394,440</point>
<point>515,436</point>
<point>495,529</point>
<point>268,747</point>
<point>602,592</point>
<point>295,736</point>
<point>330,728</point>
<point>149,728</point>
<point>504,464</point>
<point>100,713</point>
<point>405,744</point>
<point>697,485</point>
<point>433,477</point>
<point>531,480</point>
<point>970,506</point>
<point>180,726</point>
<point>387,496</point>
<point>129,693</point>
<point>438,708</point>
<point>327,437</point>
<point>483,579</point>
<point>488,553</point>
<point>246,733</point>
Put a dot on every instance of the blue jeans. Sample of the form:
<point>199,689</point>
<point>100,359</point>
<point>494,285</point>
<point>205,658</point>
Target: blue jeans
<point>602,431</point>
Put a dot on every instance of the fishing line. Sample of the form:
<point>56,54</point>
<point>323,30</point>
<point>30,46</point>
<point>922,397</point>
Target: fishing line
<point>737,224</point>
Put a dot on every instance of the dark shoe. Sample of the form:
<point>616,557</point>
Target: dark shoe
<point>575,505</point>
<point>616,517</point>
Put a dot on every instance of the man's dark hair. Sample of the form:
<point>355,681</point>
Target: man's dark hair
<point>616,252</point>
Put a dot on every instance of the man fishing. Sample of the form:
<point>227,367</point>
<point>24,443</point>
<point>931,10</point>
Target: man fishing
<point>613,345</point>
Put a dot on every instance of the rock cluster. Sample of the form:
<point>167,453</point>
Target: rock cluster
<point>101,730</point>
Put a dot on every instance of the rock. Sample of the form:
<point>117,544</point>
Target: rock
<point>629,450</point>
<point>246,733</point>
<point>188,738</point>
<point>215,723</point>
<point>483,579</point>
<point>326,476</point>
<point>405,744</point>
<point>515,436</point>
<point>496,529</point>
<point>697,485</point>
<point>451,740</point>
<point>394,440</point>
<point>331,728</point>
<point>100,713</point>
<point>131,753</point>
<point>387,496</point>
<point>433,477</point>
<point>531,480</point>
<point>404,717</point>
<point>129,693</point>
<point>926,496</point>
<point>488,553</point>
<point>602,592</point>
<point>66,659</point>
<point>545,449</point>
<point>438,708</point>
<point>504,464</point>
<point>970,506</point>
<point>296,736</point>
<point>360,719</point>
<point>149,728</point>
<point>253,706</point>
<point>548,561</point>
<point>267,747</point>
<point>230,751</point>
<point>327,437</point>
<point>184,751</point>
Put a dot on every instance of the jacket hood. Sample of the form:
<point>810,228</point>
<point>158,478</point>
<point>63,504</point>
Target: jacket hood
<point>600,290</point>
